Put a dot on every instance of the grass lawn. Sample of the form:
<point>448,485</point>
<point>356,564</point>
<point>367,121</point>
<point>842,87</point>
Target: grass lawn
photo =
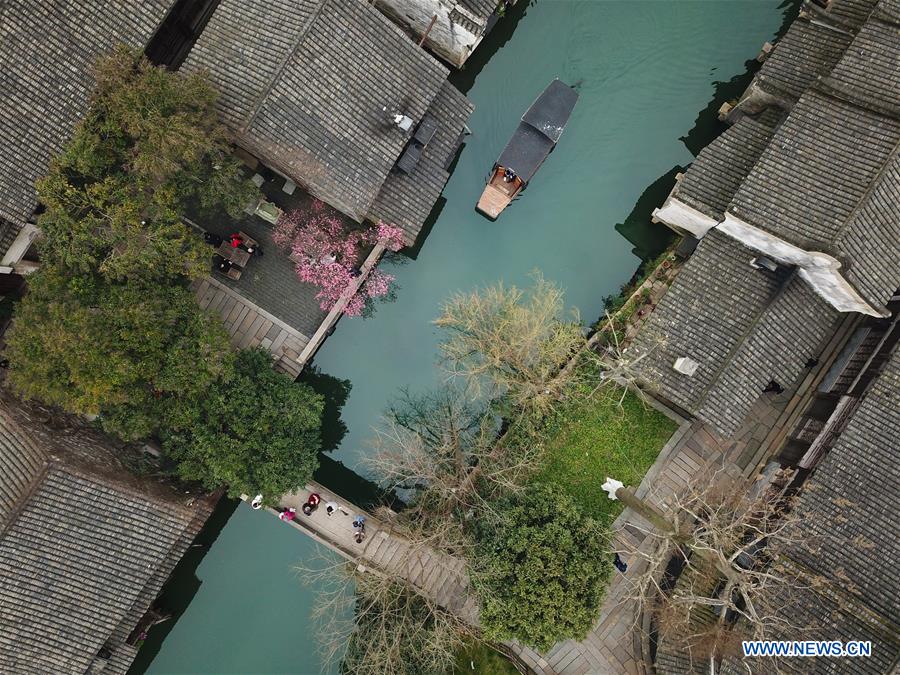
<point>479,659</point>
<point>590,439</point>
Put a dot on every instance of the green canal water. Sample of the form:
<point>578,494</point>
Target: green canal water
<point>650,76</point>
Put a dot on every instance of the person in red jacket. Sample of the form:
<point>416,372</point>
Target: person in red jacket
<point>236,240</point>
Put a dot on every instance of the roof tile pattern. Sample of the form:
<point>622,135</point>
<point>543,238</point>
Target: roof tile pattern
<point>851,13</point>
<point>83,552</point>
<point>243,47</point>
<point>806,51</point>
<point>21,462</point>
<point>324,116</point>
<point>47,50</point>
<point>711,181</point>
<point>871,239</point>
<point>705,315</point>
<point>870,67</point>
<point>790,331</point>
<point>856,485</point>
<point>816,170</point>
<point>71,545</point>
<point>407,200</point>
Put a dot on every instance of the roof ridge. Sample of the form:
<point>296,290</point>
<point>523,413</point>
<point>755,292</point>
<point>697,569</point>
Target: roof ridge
<point>301,36</point>
<point>742,338</point>
<point>873,184</point>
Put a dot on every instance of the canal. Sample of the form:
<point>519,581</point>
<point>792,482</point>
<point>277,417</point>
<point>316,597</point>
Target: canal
<point>650,74</point>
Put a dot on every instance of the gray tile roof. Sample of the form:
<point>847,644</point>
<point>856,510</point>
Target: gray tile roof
<point>406,200</point>
<point>711,181</point>
<point>743,326</point>
<point>851,539</point>
<point>869,71</point>
<point>870,241</point>
<point>806,51</point>
<point>318,107</point>
<point>47,50</point>
<point>791,330</point>
<point>83,552</point>
<point>855,487</point>
<point>816,170</point>
<point>851,14</point>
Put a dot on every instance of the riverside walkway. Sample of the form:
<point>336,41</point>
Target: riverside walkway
<point>437,576</point>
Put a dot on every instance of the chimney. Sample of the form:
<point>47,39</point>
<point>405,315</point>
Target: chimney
<point>686,365</point>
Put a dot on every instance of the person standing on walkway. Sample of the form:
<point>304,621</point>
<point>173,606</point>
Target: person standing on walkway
<point>287,515</point>
<point>359,523</point>
<point>330,508</point>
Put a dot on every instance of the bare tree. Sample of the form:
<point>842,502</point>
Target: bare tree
<point>504,341</point>
<point>441,452</point>
<point>709,572</point>
<point>377,625</point>
<point>522,347</point>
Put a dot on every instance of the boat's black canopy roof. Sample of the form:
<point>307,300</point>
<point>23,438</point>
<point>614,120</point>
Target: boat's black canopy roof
<point>550,112</point>
<point>540,129</point>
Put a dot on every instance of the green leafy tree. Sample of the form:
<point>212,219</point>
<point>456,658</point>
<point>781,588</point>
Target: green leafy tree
<point>122,351</point>
<point>540,569</point>
<point>256,432</point>
<point>149,146</point>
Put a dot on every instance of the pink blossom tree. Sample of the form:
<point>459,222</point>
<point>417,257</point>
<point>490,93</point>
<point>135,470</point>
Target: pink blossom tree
<point>329,256</point>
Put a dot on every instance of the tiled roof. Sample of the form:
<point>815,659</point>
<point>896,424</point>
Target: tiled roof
<point>714,301</point>
<point>806,51</point>
<point>481,8</point>
<point>318,108</point>
<point>816,170</point>
<point>851,539</point>
<point>720,168</point>
<point>84,551</point>
<point>743,326</point>
<point>406,200</point>
<point>870,241</point>
<point>850,14</point>
<point>789,332</point>
<point>869,72</point>
<point>47,50</point>
<point>856,485</point>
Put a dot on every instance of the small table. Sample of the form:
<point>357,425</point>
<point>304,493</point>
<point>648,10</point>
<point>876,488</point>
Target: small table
<point>249,242</point>
<point>238,256</point>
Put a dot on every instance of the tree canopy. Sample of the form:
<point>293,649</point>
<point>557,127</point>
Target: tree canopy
<point>150,145</point>
<point>541,569</point>
<point>123,351</point>
<point>257,432</point>
<point>510,343</point>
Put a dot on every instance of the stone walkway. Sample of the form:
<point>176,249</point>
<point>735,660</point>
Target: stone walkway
<point>251,326</point>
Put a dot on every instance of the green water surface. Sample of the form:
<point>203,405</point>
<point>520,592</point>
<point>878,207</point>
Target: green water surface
<point>645,71</point>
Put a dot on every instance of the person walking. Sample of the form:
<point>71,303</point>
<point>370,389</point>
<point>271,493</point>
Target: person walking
<point>330,507</point>
<point>359,523</point>
<point>287,515</point>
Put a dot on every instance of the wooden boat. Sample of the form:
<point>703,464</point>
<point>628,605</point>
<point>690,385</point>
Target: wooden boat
<point>534,139</point>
